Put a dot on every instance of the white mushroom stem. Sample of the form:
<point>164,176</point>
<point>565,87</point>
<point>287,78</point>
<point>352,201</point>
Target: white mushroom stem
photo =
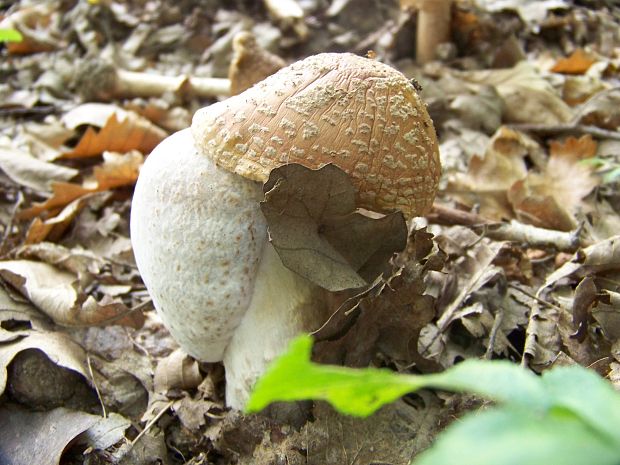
<point>102,80</point>
<point>283,306</point>
<point>200,242</point>
<point>433,27</point>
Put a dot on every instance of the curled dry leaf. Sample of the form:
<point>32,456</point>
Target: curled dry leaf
<point>317,232</point>
<point>117,170</point>
<point>28,171</point>
<point>36,25</point>
<point>177,371</point>
<point>549,200</point>
<point>490,176</point>
<point>53,228</point>
<point>528,96</point>
<point>389,318</point>
<point>250,63</point>
<point>57,294</point>
<point>120,131</point>
<point>35,437</point>
<point>577,63</point>
<point>58,347</point>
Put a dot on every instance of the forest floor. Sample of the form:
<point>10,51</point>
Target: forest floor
<point>518,259</point>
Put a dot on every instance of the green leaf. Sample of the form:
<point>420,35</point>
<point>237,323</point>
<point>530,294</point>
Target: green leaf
<point>516,437</point>
<point>568,416</point>
<point>587,396</point>
<point>354,392</point>
<point>361,392</point>
<point>10,35</point>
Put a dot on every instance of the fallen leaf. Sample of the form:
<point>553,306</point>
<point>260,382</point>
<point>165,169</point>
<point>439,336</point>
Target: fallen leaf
<point>577,63</point>
<point>388,319</point>
<point>31,172</point>
<point>472,271</point>
<point>317,232</point>
<point>57,294</point>
<point>106,432</point>
<point>63,194</point>
<point>528,96</point>
<point>36,24</point>
<point>120,131</point>
<point>533,12</point>
<point>117,170</point>
<point>53,228</point>
<point>490,176</point>
<point>177,371</point>
<point>585,299</point>
<point>58,347</point>
<point>28,437</point>
<point>551,199</point>
<point>39,383</point>
<point>607,314</point>
<point>543,341</point>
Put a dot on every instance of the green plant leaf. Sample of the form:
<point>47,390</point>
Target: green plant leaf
<point>10,35</point>
<point>515,437</point>
<point>354,392</point>
<point>568,416</point>
<point>361,392</point>
<point>587,396</point>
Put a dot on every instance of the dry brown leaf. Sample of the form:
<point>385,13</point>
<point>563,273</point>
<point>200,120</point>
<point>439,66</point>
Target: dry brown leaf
<point>490,176</point>
<point>528,97</point>
<point>250,63</point>
<point>317,233</point>
<point>35,24</point>
<point>533,202</point>
<point>388,318</point>
<point>31,172</point>
<point>577,63</point>
<point>63,194</point>
<point>29,437</point>
<point>53,228</point>
<point>57,346</point>
<point>177,371</point>
<point>57,294</point>
<point>472,271</point>
<point>551,199</point>
<point>117,170</point>
<point>120,131</point>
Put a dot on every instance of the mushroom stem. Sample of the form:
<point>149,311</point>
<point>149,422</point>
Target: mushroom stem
<point>200,242</point>
<point>283,306</point>
<point>101,80</point>
<point>433,28</point>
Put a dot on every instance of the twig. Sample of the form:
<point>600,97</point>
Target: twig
<point>534,297</point>
<point>497,323</point>
<point>568,128</point>
<point>92,376</point>
<point>534,236</point>
<point>514,231</point>
<point>9,225</point>
<point>152,422</point>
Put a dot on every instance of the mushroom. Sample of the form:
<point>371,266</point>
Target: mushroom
<point>101,80</point>
<point>433,27</point>
<point>250,63</point>
<point>199,238</point>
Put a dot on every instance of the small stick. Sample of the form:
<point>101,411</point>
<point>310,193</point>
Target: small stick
<point>514,231</point>
<point>551,129</point>
<point>92,376</point>
<point>152,422</point>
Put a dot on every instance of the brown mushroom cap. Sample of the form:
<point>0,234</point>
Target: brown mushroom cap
<point>361,115</point>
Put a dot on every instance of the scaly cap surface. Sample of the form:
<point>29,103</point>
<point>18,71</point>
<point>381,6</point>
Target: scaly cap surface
<point>361,115</point>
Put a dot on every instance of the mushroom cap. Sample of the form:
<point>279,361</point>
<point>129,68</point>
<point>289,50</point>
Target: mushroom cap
<point>361,115</point>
